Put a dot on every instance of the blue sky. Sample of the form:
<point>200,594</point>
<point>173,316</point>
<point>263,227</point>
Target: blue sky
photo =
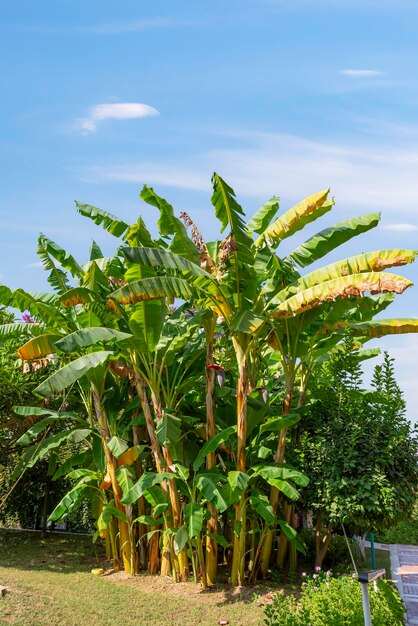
<point>280,97</point>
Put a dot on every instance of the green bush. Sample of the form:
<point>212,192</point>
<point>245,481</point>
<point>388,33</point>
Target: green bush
<point>403,532</point>
<point>336,602</point>
<point>337,553</point>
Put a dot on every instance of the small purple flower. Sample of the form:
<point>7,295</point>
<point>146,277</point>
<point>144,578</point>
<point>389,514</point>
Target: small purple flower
<point>27,318</point>
<point>314,576</point>
<point>303,574</point>
<point>317,568</point>
<point>328,573</point>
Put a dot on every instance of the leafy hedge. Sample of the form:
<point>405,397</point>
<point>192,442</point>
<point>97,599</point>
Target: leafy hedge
<point>336,602</point>
<point>405,532</point>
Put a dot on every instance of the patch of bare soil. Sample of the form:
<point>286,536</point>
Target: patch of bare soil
<point>217,595</point>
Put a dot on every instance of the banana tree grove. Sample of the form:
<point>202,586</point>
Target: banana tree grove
<point>178,370</point>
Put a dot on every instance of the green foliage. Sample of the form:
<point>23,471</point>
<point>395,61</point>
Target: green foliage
<point>181,419</point>
<point>337,554</point>
<point>404,532</point>
<point>336,602</point>
<point>357,447</point>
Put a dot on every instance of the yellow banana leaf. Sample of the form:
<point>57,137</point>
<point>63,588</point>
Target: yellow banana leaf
<point>355,285</point>
<point>296,218</point>
<point>38,347</point>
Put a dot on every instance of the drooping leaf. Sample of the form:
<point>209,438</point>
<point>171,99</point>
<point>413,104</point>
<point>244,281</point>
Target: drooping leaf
<point>330,238</point>
<point>76,459</point>
<point>345,287</point>
<point>109,511</point>
<point>77,295</point>
<point>130,455</point>
<point>366,262</point>
<point>117,446</point>
<point>144,484</point>
<point>40,450</point>
<point>39,427</point>
<point>283,472</point>
<point>291,534</point>
<point>180,539</point>
<point>154,288</point>
<point>125,478</point>
<point>72,372</point>
<point>209,489</point>
<point>382,327</point>
<point>85,337</point>
<point>193,517</point>
<point>160,258</point>
<point>19,329</point>
<point>238,480</point>
<point>69,503</point>
<point>168,430</point>
<point>38,347</point>
<point>111,223</point>
<point>26,411</point>
<point>274,424</point>
<point>146,324</point>
<point>212,445</point>
<point>262,506</point>
<point>41,305</point>
<point>246,322</point>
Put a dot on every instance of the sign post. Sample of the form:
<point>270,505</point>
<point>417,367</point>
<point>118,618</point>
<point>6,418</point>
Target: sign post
<point>364,579</point>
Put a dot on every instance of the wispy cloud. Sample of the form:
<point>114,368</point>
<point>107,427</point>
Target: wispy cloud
<point>135,26</point>
<point>370,176</point>
<point>401,228</point>
<point>116,111</point>
<point>105,28</point>
<point>361,73</point>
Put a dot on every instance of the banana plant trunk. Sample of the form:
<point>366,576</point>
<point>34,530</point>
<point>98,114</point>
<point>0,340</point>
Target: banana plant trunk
<point>154,561</point>
<point>238,554</point>
<point>274,492</point>
<point>211,547</point>
<point>127,549</point>
<point>181,563</point>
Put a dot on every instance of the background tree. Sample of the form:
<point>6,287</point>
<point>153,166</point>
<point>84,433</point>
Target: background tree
<point>358,448</point>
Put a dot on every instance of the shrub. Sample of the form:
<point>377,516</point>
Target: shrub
<point>336,602</point>
<point>337,553</point>
<point>403,532</point>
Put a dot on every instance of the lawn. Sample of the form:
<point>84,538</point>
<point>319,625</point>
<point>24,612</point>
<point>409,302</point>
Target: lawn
<point>50,583</point>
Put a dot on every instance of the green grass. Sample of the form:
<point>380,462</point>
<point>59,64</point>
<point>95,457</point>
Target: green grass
<point>51,584</point>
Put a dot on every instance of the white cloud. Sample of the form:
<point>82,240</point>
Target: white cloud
<point>369,177</point>
<point>361,73</point>
<point>401,228</point>
<point>115,111</point>
<point>184,176</point>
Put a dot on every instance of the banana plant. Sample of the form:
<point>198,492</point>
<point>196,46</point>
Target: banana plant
<point>253,289</point>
